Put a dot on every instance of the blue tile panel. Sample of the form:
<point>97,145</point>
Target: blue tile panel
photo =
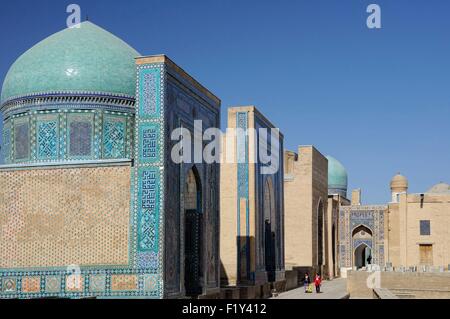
<point>67,135</point>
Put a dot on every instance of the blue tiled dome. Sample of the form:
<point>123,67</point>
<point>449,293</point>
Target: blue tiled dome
<point>87,59</point>
<point>337,177</point>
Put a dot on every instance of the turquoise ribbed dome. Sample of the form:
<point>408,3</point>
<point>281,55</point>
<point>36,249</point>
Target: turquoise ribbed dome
<point>337,175</point>
<point>87,59</point>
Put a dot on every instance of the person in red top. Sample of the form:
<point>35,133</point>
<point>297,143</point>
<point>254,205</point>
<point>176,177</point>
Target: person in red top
<point>317,283</point>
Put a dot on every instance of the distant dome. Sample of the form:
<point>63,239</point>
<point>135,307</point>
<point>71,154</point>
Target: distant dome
<point>441,188</point>
<point>399,183</point>
<point>87,59</point>
<point>337,177</point>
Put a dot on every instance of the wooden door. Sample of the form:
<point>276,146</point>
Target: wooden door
<point>426,254</point>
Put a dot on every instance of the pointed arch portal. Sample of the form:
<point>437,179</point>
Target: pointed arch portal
<point>362,239</point>
<point>193,233</point>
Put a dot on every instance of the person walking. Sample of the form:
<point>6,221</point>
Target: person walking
<point>306,282</point>
<point>317,283</point>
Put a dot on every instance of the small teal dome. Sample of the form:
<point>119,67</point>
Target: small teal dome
<point>87,59</point>
<point>337,177</point>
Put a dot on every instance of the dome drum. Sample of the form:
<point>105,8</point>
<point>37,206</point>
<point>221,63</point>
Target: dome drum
<point>72,101</point>
<point>67,135</point>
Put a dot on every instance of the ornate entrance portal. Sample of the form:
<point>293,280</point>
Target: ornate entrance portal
<point>193,230</point>
<point>362,239</point>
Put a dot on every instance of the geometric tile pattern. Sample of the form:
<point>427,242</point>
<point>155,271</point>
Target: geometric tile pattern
<point>351,217</point>
<point>97,283</point>
<point>47,139</point>
<point>91,283</point>
<point>6,150</point>
<point>114,139</point>
<point>149,93</point>
<point>52,284</point>
<point>65,134</point>
<point>148,178</point>
<point>149,135</point>
<point>149,218</point>
<point>124,283</point>
<point>31,284</point>
<point>9,285</point>
<point>243,194</point>
<point>151,283</point>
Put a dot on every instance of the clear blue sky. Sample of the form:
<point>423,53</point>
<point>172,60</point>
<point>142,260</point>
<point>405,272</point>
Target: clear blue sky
<point>377,100</point>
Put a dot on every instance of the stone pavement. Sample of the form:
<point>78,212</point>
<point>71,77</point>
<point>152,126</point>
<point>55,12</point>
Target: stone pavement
<point>334,289</point>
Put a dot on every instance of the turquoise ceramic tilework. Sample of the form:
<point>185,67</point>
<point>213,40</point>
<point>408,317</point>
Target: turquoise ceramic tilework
<point>148,178</point>
<point>149,94</point>
<point>243,187</point>
<point>337,175</point>
<point>85,59</point>
<point>149,134</point>
<point>149,204</point>
<point>114,133</point>
<point>47,139</point>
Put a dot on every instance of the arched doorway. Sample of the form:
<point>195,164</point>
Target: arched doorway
<point>269,230</point>
<point>193,234</point>
<point>363,256</point>
<point>362,239</point>
<point>320,224</point>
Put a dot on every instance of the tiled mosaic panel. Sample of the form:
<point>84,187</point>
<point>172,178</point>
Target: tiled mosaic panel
<point>47,139</point>
<point>46,136</point>
<point>148,223</point>
<point>243,195</point>
<point>150,139</point>
<point>114,136</point>
<point>70,216</point>
<point>31,284</point>
<point>52,284</point>
<point>369,216</point>
<point>93,283</point>
<point>6,151</point>
<point>97,283</point>
<point>22,140</point>
<point>149,98</point>
<point>124,283</point>
<point>147,175</point>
